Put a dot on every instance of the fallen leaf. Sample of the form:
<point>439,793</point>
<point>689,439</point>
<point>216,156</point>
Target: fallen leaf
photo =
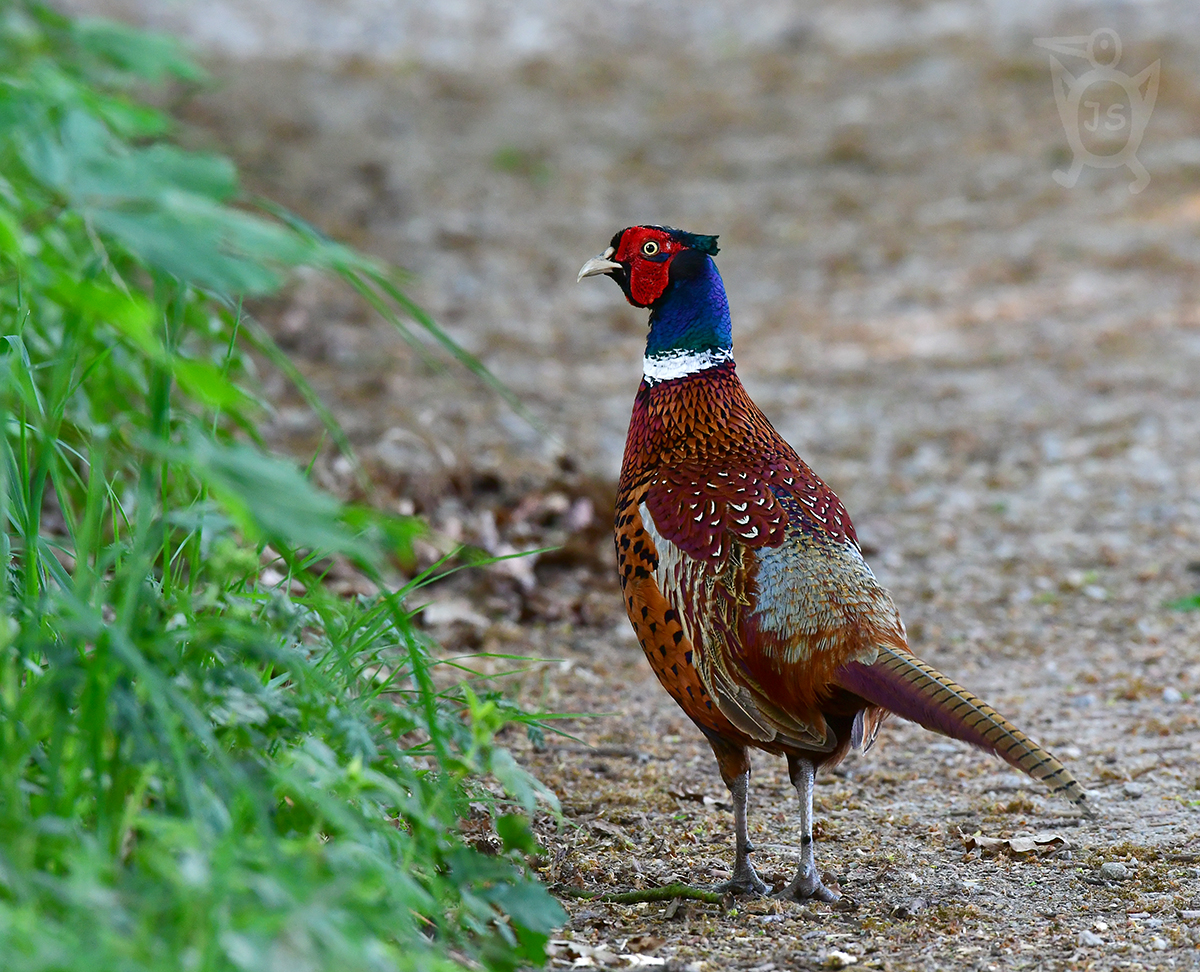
<point>676,907</point>
<point>452,611</point>
<point>1036,843</point>
<point>608,828</point>
<point>579,954</point>
<point>643,943</point>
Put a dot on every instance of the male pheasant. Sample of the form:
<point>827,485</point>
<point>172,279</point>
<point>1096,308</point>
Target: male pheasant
<point>741,571</point>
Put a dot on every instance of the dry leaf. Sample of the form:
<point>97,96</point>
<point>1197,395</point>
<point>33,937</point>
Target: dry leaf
<point>608,828</point>
<point>1036,843</point>
<point>643,943</point>
<point>579,954</point>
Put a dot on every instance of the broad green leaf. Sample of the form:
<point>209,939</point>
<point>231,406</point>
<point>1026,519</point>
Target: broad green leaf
<point>518,782</point>
<point>396,533</point>
<point>130,120</point>
<point>270,498</point>
<point>131,314</point>
<point>145,54</point>
<point>513,830</point>
<point>206,383</point>
<point>11,238</point>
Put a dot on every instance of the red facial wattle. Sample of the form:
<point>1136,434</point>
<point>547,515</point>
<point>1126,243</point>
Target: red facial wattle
<point>648,272</point>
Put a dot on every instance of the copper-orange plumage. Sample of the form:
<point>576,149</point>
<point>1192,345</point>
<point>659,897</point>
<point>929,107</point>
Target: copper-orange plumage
<point>741,571</point>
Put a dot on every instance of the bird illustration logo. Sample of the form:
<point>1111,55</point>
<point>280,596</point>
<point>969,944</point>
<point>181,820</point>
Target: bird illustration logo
<point>1129,116</point>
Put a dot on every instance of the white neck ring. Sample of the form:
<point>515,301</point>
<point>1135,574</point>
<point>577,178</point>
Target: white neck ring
<point>669,365</point>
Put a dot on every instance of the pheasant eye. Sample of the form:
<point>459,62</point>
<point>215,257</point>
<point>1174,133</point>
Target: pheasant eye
<point>649,248</point>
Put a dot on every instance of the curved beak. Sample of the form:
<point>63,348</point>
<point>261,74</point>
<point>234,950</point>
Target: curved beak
<point>598,264</point>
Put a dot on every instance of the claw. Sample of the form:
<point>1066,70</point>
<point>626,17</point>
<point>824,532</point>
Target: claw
<point>746,883</point>
<point>806,887</point>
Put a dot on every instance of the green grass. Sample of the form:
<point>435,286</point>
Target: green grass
<point>1191,603</point>
<point>200,770</point>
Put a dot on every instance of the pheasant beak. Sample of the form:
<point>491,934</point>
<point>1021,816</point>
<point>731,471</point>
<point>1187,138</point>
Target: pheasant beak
<point>598,264</point>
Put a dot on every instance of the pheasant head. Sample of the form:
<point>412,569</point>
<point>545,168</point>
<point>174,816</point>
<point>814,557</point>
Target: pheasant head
<point>672,273</point>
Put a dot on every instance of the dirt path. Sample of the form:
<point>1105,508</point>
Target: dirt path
<point>999,376</point>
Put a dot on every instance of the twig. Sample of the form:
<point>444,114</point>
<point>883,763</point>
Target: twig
<point>667,893</point>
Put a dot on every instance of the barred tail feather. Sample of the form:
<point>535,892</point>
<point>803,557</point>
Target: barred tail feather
<point>901,683</point>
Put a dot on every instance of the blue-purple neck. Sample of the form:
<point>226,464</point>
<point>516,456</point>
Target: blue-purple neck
<point>692,314</point>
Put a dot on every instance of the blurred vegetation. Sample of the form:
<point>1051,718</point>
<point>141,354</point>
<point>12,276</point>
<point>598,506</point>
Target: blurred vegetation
<point>201,769</point>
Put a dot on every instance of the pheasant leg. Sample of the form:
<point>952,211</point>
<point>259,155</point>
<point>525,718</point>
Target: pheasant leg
<point>745,879</point>
<point>734,764</point>
<point>807,882</point>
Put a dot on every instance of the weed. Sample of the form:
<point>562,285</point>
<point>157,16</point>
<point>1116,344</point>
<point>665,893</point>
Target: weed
<point>201,768</point>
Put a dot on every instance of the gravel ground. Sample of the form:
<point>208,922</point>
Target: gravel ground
<point>998,375</point>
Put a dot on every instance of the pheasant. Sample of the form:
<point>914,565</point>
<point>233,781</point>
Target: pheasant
<point>742,574</point>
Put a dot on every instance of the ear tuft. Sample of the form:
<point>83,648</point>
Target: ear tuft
<point>695,241</point>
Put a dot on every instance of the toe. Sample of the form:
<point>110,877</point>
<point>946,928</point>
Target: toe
<point>808,888</point>
<point>752,885</point>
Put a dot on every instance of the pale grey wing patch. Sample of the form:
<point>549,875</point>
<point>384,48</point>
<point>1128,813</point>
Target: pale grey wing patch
<point>684,580</point>
<point>809,589</point>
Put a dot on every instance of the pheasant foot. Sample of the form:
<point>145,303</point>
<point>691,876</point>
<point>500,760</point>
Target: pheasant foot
<point>745,879</point>
<point>805,886</point>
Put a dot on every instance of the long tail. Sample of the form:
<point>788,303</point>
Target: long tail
<point>901,683</point>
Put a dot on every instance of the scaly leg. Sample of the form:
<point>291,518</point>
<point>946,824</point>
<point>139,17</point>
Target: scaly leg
<point>745,879</point>
<point>807,883</point>
<point>735,771</point>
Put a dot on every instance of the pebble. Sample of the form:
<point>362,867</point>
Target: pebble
<point>1134,790</point>
<point>1190,915</point>
<point>1172,694</point>
<point>1114,871</point>
<point>835,959</point>
<point>1088,938</point>
<point>906,909</point>
<point>1158,943</point>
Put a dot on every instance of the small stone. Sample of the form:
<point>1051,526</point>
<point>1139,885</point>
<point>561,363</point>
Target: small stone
<point>1114,871</point>
<point>1089,939</point>
<point>1172,695</point>
<point>1190,914</point>
<point>1158,943</point>
<point>835,959</point>
<point>906,909</point>
<point>1134,790</point>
